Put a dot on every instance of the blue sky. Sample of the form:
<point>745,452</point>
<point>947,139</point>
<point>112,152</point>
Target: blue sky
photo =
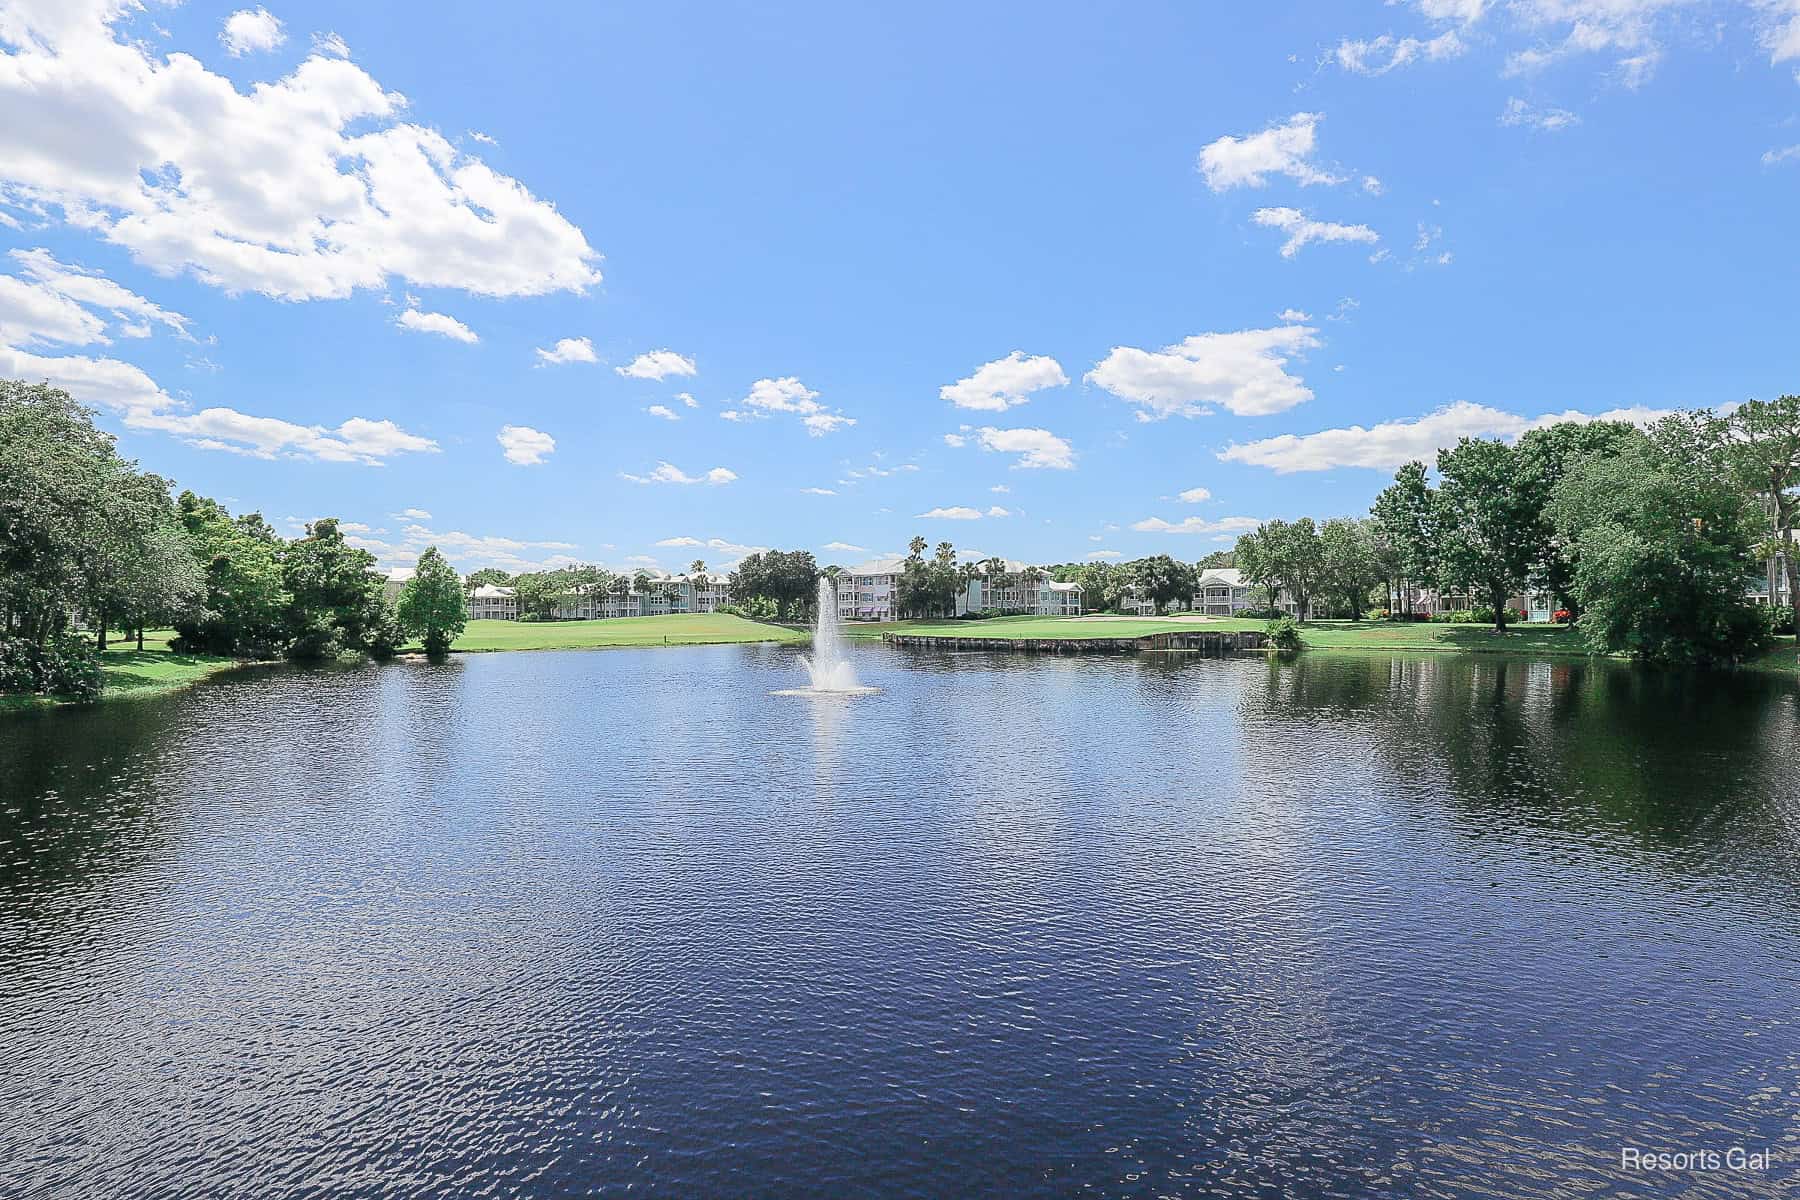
<point>318,259</point>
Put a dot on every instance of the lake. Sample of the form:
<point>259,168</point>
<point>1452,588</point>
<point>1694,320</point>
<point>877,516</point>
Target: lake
<point>623,922</point>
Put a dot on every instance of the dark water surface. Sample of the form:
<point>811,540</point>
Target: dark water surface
<point>624,923</point>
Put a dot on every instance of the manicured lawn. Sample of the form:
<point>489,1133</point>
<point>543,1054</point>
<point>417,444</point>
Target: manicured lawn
<point>132,673</point>
<point>686,629</point>
<point>1319,635</point>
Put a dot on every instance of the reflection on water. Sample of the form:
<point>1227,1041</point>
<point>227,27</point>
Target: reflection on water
<point>606,922</point>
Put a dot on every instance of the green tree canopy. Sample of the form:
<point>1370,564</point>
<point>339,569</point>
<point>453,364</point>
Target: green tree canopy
<point>433,607</point>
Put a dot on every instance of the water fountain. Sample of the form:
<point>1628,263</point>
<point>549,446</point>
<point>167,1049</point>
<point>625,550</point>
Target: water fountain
<point>828,666</point>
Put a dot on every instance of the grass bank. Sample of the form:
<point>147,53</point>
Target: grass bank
<point>134,674</point>
<point>681,629</point>
<point>1552,641</point>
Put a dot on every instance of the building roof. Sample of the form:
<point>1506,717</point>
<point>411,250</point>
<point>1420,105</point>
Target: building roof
<point>1064,587</point>
<point>401,574</point>
<point>488,591</point>
<point>1228,576</point>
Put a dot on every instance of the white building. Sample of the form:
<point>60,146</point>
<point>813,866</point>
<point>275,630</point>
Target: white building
<point>1771,587</point>
<point>871,592</point>
<point>394,582</point>
<point>664,595</point>
<point>491,603</point>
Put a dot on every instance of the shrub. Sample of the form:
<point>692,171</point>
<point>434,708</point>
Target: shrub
<point>1781,619</point>
<point>1459,616</point>
<point>1283,633</point>
<point>1262,614</point>
<point>66,666</point>
<point>1562,616</point>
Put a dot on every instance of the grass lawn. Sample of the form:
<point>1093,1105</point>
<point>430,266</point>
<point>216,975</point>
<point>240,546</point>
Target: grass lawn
<point>1316,635</point>
<point>131,673</point>
<point>681,629</point>
<point>1529,640</point>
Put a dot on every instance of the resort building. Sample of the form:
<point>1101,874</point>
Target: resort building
<point>491,603</point>
<point>1771,587</point>
<point>871,592</point>
<point>663,595</point>
<point>395,581</point>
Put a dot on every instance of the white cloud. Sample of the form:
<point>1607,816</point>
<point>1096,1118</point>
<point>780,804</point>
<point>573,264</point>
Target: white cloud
<point>1462,12</point>
<point>1521,112</point>
<point>957,513</point>
<point>1248,161</point>
<point>1196,525</point>
<point>1380,55</point>
<point>438,323</point>
<point>483,138</point>
<point>789,395</point>
<point>1785,154</point>
<point>844,548</point>
<point>1198,495</point>
<point>1623,27</point>
<point>1244,372</point>
<point>1392,444</point>
<point>413,514</point>
<point>817,491</point>
<point>1036,448</point>
<point>663,411</point>
<point>567,350</point>
<point>525,446</point>
<point>134,314</point>
<point>1302,230</point>
<point>670,473</point>
<point>128,391</point>
<point>468,551</point>
<point>1294,316</point>
<point>997,511</point>
<point>307,187</point>
<point>1105,554</point>
<point>1005,382</point>
<point>687,399</point>
<point>657,364</point>
<point>999,488</point>
<point>956,441</point>
<point>725,554</point>
<point>34,315</point>
<point>250,31</point>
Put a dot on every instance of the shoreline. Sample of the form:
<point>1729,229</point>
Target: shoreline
<point>155,671</point>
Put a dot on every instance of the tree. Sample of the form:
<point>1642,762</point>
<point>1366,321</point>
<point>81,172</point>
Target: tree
<point>1161,579</point>
<point>432,605</point>
<point>244,601</point>
<point>336,601</point>
<point>1487,522</point>
<point>1546,457</point>
<point>1218,558</point>
<point>1763,440</point>
<point>788,580</point>
<point>488,577</point>
<point>1665,537</point>
<point>1350,569</point>
<point>1407,518</point>
<point>1283,556</point>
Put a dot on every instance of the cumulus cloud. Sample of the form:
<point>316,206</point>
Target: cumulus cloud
<point>1105,554</point>
<point>525,446</point>
<point>657,364</point>
<point>663,411</point>
<point>1005,382</point>
<point>467,550</point>
<point>251,31</point>
<point>956,513</point>
<point>1378,56</point>
<point>817,491</point>
<point>844,548</point>
<point>1196,525</point>
<point>1771,158</point>
<point>438,323</point>
<point>1248,161</point>
<point>1244,372</point>
<point>1293,316</point>
<point>567,350</point>
<point>789,395</point>
<point>308,187</point>
<point>54,307</point>
<point>726,554</point>
<point>670,473</point>
<point>1198,495</point>
<point>1303,230</point>
<point>413,514</point>
<point>1392,444</point>
<point>1036,448</point>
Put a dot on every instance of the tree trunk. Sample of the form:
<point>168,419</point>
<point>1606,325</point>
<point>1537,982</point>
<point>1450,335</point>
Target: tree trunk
<point>1499,598</point>
<point>140,639</point>
<point>1793,573</point>
<point>100,631</point>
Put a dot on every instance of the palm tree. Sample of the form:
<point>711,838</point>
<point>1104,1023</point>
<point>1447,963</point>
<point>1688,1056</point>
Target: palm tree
<point>917,546</point>
<point>697,573</point>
